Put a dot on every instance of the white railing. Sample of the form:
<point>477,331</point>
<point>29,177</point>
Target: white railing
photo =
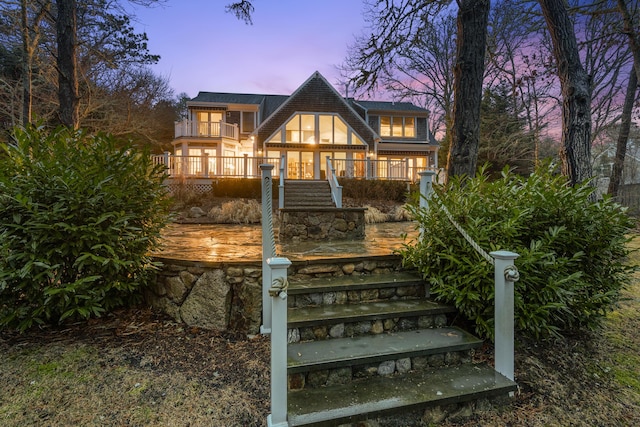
<point>505,275</point>
<point>395,169</point>
<point>336,188</point>
<point>274,305</point>
<point>206,166</point>
<point>193,128</point>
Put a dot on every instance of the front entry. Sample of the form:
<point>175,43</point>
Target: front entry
<point>300,165</point>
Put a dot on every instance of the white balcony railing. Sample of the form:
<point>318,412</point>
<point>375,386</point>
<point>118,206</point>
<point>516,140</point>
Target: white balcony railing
<point>193,128</point>
<point>206,166</point>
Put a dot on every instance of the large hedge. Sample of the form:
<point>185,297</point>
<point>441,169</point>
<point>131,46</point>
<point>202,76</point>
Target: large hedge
<point>572,250</point>
<point>79,216</point>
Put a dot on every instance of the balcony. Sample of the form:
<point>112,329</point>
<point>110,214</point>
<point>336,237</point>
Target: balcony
<point>195,129</point>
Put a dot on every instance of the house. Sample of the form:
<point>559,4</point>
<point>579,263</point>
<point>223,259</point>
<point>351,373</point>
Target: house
<point>230,134</point>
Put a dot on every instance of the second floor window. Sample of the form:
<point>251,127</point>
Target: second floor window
<point>394,126</point>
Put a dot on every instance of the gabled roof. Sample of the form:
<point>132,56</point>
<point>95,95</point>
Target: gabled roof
<point>315,95</point>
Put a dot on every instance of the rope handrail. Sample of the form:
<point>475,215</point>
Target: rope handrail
<point>462,231</point>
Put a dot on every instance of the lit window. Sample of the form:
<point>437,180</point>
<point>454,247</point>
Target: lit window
<point>409,127</point>
<point>400,127</point>
<point>385,126</point>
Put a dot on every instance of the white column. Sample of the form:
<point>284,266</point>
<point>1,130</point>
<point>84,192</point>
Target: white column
<point>426,183</point>
<point>278,292</point>
<point>505,276</point>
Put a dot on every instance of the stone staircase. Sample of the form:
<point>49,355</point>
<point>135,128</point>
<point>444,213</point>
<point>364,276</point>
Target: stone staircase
<point>369,346</point>
<point>307,194</point>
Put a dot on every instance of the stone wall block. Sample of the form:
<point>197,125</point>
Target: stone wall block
<point>348,268</point>
<point>176,289</point>
<point>246,310</point>
<point>209,304</point>
<point>188,278</point>
<point>319,268</point>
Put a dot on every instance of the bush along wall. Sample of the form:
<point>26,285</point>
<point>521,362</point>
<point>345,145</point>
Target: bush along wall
<point>79,216</point>
<point>573,251</point>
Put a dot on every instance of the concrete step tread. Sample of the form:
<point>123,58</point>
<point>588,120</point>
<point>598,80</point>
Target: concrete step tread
<point>384,395</point>
<point>339,352</point>
<point>337,313</point>
<point>354,282</point>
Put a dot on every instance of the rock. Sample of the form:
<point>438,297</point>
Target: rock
<point>176,289</point>
<point>387,367</point>
<point>209,304</point>
<point>196,212</point>
<point>403,365</point>
<point>337,331</point>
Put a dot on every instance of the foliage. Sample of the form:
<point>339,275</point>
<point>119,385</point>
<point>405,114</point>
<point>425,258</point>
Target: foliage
<point>237,212</point>
<point>504,140</point>
<point>364,190</point>
<point>572,251</point>
<point>79,217</point>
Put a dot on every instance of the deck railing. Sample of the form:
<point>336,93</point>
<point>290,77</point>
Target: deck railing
<point>206,166</point>
<point>193,128</point>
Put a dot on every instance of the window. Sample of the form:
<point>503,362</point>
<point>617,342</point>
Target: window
<point>400,127</point>
<point>248,121</point>
<point>301,129</point>
<point>209,123</point>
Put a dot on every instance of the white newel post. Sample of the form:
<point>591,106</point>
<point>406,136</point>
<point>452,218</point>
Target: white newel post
<point>506,274</point>
<point>278,293</point>
<point>426,186</point>
<point>267,246</point>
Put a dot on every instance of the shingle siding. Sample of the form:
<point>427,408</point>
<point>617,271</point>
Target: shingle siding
<point>315,96</point>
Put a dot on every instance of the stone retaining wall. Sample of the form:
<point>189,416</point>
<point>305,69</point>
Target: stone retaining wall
<point>321,224</point>
<point>228,296</point>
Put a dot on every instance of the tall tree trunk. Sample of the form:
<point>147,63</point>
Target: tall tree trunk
<point>575,151</point>
<point>634,43</point>
<point>623,136</point>
<point>27,57</point>
<point>67,63</point>
<point>473,18</point>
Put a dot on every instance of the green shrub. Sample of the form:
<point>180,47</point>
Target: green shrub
<point>79,216</point>
<point>364,190</point>
<point>572,251</point>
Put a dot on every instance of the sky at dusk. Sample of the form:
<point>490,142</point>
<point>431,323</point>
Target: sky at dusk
<point>204,48</point>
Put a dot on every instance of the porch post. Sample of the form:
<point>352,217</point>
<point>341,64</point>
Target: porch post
<point>278,293</point>
<point>283,172</point>
<point>268,246</point>
<point>246,165</point>
<point>167,159</point>
<point>505,274</point>
<point>426,187</point>
<point>205,165</point>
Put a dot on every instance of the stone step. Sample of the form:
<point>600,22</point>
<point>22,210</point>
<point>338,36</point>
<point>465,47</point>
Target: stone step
<point>377,310</point>
<point>384,395</point>
<point>355,288</point>
<point>337,361</point>
<point>353,282</point>
<point>304,203</point>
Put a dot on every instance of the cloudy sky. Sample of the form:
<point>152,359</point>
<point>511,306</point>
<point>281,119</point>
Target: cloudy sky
<point>203,48</point>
